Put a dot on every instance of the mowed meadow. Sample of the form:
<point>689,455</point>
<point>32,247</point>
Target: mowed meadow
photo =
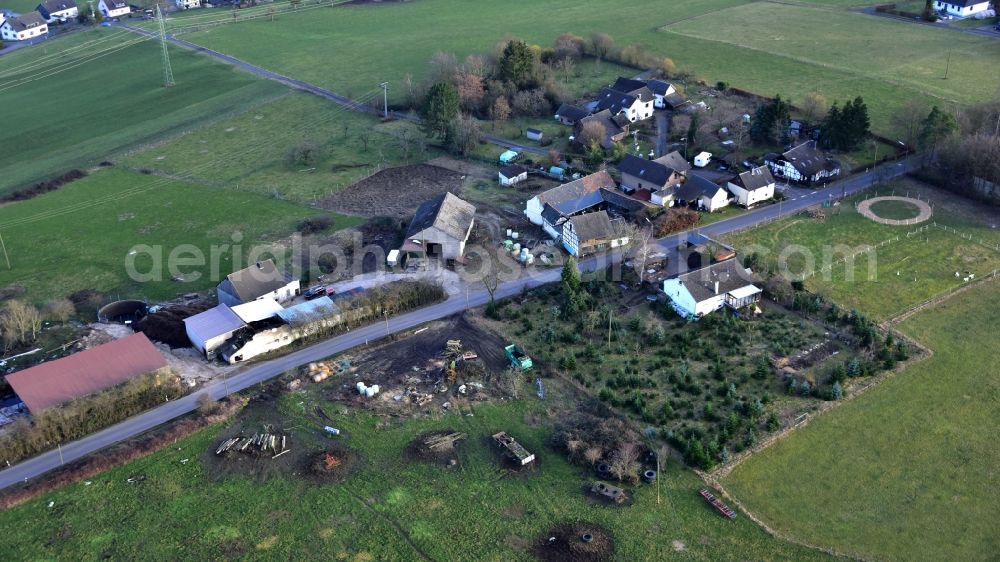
<point>907,471</point>
<point>793,49</point>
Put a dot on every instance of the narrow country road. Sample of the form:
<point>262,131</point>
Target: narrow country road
<point>530,278</point>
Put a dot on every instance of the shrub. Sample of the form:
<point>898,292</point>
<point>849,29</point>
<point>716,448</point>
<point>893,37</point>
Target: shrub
<point>313,225</point>
<point>58,310</point>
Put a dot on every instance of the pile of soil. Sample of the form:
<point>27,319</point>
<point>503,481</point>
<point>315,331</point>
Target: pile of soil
<point>566,543</point>
<point>418,450</point>
<point>333,464</point>
<point>167,325</point>
<point>381,194</point>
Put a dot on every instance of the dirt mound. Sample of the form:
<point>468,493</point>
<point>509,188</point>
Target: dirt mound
<point>576,542</point>
<point>436,446</point>
<point>394,192</point>
<point>334,464</point>
<point>167,325</point>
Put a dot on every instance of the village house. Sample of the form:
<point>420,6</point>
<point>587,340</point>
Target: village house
<point>665,96</point>
<point>113,8</point>
<point>86,372</point>
<point>752,187</point>
<point>634,106</point>
<point>697,293</point>
<point>961,8</point>
<point>589,233</point>
<point>569,114</point>
<point>643,179</point>
<point>702,193</point>
<point>23,27</point>
<point>261,280</point>
<point>804,163</point>
<point>512,174</point>
<point>615,127</point>
<point>187,4</point>
<point>439,229</point>
<point>551,208</point>
<point>675,161</point>
<point>58,10</point>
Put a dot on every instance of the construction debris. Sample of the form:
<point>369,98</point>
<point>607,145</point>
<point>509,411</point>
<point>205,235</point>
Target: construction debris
<point>609,492</point>
<point>513,449</point>
<point>443,442</point>
<point>260,443</point>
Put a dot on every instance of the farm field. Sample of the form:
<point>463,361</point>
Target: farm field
<point>98,108</point>
<point>392,508</point>
<point>907,471</point>
<point>903,273</point>
<point>699,36</point>
<point>79,236</point>
<point>250,152</point>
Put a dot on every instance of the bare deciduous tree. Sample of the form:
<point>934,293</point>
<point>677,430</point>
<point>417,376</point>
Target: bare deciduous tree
<point>20,323</point>
<point>592,132</point>
<point>813,107</point>
<point>625,462</point>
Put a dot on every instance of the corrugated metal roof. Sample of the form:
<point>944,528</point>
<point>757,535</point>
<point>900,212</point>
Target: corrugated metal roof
<point>84,373</point>
<point>254,311</point>
<point>212,323</point>
<point>309,311</point>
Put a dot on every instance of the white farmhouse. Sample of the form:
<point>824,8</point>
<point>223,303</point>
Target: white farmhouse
<point>630,98</point>
<point>706,290</point>
<point>113,8</point>
<point>961,8</point>
<point>23,27</point>
<point>752,187</point>
<point>58,10</point>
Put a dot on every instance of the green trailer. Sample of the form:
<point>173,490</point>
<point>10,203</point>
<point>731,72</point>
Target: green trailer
<point>517,357</point>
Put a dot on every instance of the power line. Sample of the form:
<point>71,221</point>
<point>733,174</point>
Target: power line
<point>168,73</point>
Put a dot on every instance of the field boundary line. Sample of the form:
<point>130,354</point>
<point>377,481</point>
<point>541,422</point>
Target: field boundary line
<point>395,525</point>
<point>939,299</point>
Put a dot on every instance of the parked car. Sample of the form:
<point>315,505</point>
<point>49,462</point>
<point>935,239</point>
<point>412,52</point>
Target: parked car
<point>315,292</point>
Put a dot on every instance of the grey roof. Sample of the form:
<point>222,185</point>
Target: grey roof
<point>613,125</point>
<point>447,213</point>
<point>213,322</point>
<point>512,170</point>
<point>701,283</point>
<point>251,282</point>
<point>647,170</point>
<point>963,3</point>
<point>623,202</point>
<point>593,226</point>
<point>695,186</point>
<point>674,100</point>
<point>637,88</point>
<point>808,159</point>
<point>115,4</point>
<point>309,312</point>
<point>658,87</point>
<point>550,214</point>
<point>53,6</point>
<point>614,101</point>
<point>571,112</point>
<point>577,189</point>
<point>26,21</point>
<point>582,203</point>
<point>674,160</point>
<point>755,178</point>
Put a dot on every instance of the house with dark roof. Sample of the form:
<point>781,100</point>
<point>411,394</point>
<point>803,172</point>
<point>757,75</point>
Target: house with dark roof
<point>569,114</point>
<point>752,187</point>
<point>805,163</point>
<point>590,233</point>
<point>641,175</point>
<point>58,10</point>
<point>86,372</point>
<point>614,127</point>
<point>261,280</point>
<point>634,106</point>
<point>697,293</point>
<point>961,8</point>
<point>512,174</point>
<point>113,8</point>
<point>675,161</point>
<point>665,96</point>
<point>439,229</point>
<point>702,193</point>
<point>550,209</point>
<point>23,27</point>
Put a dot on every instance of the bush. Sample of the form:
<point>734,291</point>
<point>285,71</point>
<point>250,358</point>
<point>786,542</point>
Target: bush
<point>674,220</point>
<point>314,224</point>
<point>58,310</point>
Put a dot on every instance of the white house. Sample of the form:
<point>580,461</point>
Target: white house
<point>589,233</point>
<point>634,106</point>
<point>23,27</point>
<point>699,191</point>
<point>804,163</point>
<point>512,174</point>
<point>706,290</point>
<point>58,10</point>
<point>113,8</point>
<point>187,4</point>
<point>549,208</point>
<point>961,8</point>
<point>752,187</point>
<point>261,280</point>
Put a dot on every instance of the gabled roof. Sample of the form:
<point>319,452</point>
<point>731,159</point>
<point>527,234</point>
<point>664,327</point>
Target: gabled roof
<point>729,274</point>
<point>571,112</point>
<point>755,179</point>
<point>257,280</point>
<point>213,323</point>
<point>512,171</point>
<point>255,311</point>
<point>637,88</point>
<point>647,170</point>
<point>658,87</point>
<point>614,101</point>
<point>115,4</point>
<point>622,202</point>
<point>447,213</point>
<point>593,226</point>
<point>86,372</point>
<point>550,214</point>
<point>674,160</point>
<point>695,186</point>
<point>808,159</point>
<point>53,6</point>
<point>577,188</point>
<point>613,124</point>
<point>26,21</point>
<point>964,3</point>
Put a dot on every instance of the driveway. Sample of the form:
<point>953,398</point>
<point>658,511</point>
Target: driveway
<point>662,131</point>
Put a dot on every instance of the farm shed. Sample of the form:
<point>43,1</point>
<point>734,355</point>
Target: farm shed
<point>533,134</point>
<point>86,372</point>
<point>550,208</point>
<point>210,329</point>
<point>512,174</point>
<point>261,280</point>
<point>439,229</point>
<point>321,310</point>
<point>255,311</point>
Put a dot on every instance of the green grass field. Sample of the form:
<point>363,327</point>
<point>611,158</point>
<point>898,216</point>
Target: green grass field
<point>78,237</point>
<point>904,272</point>
<point>384,512</point>
<point>840,54</point>
<point>249,152</point>
<point>895,210</point>
<point>908,471</point>
<point>19,6</point>
<point>99,107</point>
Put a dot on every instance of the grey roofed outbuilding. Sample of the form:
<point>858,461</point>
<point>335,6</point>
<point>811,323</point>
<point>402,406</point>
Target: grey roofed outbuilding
<point>511,171</point>
<point>571,112</point>
<point>729,274</point>
<point>647,170</point>
<point>755,179</point>
<point>310,312</point>
<point>252,282</point>
<point>695,186</point>
<point>447,213</point>
<point>593,226</point>
<point>213,322</point>
<point>674,160</point>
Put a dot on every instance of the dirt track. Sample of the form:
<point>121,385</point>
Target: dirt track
<point>394,192</point>
<point>865,208</point>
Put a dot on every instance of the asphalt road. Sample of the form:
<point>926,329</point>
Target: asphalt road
<point>35,467</point>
